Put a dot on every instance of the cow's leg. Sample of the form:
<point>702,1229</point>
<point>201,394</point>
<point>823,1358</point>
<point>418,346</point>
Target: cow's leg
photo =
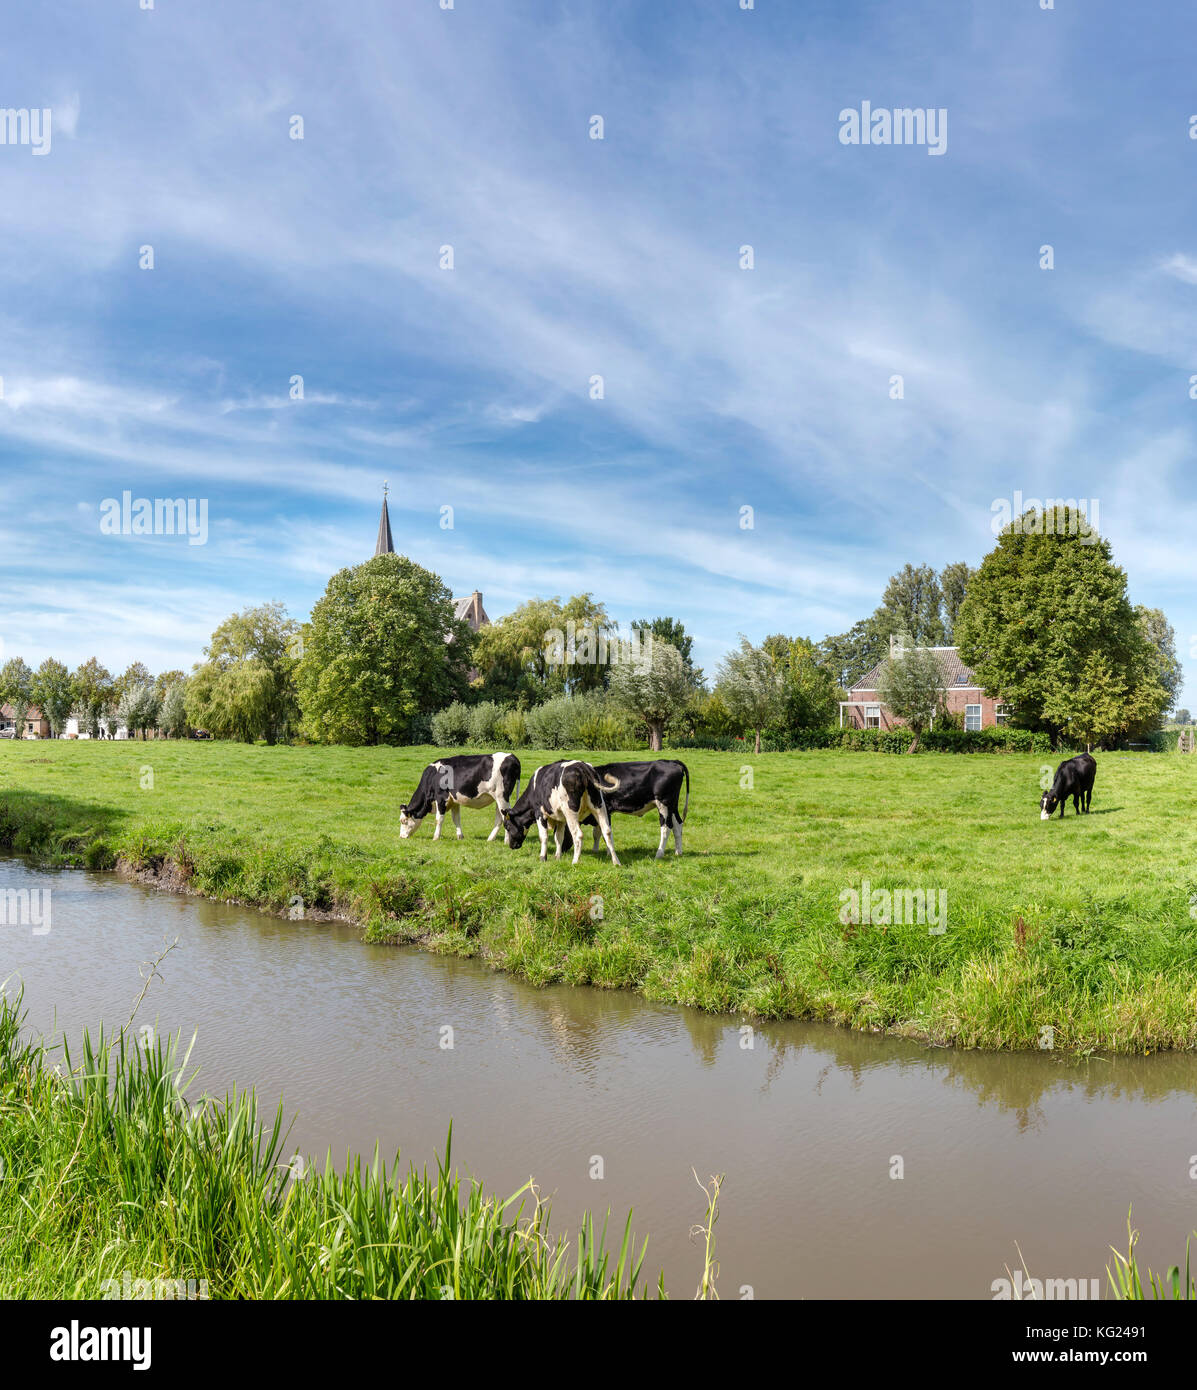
<point>1063,806</point>
<point>597,839</point>
<point>457,820</point>
<point>544,840</point>
<point>663,817</point>
<point>575,831</point>
<point>558,837</point>
<point>500,807</point>
<point>440,816</point>
<point>673,821</point>
<point>604,821</point>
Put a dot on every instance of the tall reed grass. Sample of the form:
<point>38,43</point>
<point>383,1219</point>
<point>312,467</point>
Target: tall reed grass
<point>107,1170</point>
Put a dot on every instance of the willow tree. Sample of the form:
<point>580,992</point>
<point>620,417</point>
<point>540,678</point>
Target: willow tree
<point>652,681</point>
<point>752,687</point>
<point>909,685</point>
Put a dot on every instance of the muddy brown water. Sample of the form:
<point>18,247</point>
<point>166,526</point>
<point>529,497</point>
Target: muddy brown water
<point>1000,1153</point>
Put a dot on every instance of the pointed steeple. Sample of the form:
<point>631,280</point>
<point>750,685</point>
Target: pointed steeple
<point>384,546</point>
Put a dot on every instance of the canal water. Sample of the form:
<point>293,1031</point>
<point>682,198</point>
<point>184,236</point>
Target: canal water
<point>1007,1162</point>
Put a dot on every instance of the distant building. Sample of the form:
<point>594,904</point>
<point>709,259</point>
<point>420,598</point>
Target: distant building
<point>36,724</point>
<point>472,611</point>
<point>961,695</point>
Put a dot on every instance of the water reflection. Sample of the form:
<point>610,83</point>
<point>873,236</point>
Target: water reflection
<point>1038,1149</point>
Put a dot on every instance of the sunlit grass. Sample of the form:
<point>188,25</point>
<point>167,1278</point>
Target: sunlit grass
<point>748,921</point>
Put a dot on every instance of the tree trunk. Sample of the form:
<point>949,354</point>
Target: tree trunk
<point>914,747</point>
<point>654,737</point>
<point>757,748</point>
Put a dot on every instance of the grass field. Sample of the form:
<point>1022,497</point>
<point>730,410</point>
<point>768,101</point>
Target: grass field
<point>748,921</point>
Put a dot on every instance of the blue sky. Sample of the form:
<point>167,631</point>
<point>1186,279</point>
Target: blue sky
<point>574,257</point>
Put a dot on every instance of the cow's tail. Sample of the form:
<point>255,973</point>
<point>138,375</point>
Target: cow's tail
<point>686,807</point>
<point>607,783</point>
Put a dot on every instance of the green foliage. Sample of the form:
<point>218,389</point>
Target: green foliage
<point>513,728</point>
<point>53,693</point>
<point>484,724</point>
<point>16,689</point>
<point>246,688</point>
<point>525,657</point>
<point>382,647</point>
<point>94,694</point>
<point>451,726</point>
<point>752,688</point>
<point>173,715</point>
<point>909,685</point>
<point>811,696</point>
<point>653,684</point>
<point>1048,628</point>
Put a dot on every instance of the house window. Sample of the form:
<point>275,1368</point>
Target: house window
<point>872,716</point>
<point>972,716</point>
<point>1001,714</point>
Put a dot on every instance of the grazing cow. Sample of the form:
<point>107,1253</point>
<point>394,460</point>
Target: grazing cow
<point>643,786</point>
<point>561,795</point>
<point>1073,778</point>
<point>469,779</point>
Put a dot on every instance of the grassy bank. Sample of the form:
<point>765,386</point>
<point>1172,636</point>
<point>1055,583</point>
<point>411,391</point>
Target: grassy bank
<point>748,921</point>
<point>113,1182</point>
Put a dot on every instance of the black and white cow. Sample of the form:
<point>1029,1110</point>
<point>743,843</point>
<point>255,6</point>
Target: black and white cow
<point>643,786</point>
<point>560,796</point>
<point>469,779</point>
<point>1074,778</point>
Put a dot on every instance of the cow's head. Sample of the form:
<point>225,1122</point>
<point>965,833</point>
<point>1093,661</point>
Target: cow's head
<point>514,830</point>
<point>1047,804</point>
<point>408,824</point>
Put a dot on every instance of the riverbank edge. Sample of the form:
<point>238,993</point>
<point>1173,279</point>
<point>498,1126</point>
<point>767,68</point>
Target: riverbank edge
<point>416,927</point>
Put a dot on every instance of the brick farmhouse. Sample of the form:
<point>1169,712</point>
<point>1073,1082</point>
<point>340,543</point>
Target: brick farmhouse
<point>863,709</point>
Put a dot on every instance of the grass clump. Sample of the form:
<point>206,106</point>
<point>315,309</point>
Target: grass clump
<point>109,1173</point>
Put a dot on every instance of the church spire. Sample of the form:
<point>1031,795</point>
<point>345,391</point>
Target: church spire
<point>384,546</point>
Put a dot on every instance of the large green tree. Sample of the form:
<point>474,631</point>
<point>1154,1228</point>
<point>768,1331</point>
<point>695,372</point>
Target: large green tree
<point>382,647</point>
<point>95,694</point>
<point>954,580</point>
<point>1046,619</point>
<point>811,695</point>
<point>53,693</point>
<point>16,689</point>
<point>912,604</point>
<point>246,689</point>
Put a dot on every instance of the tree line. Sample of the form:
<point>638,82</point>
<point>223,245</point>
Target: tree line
<point>1044,622</point>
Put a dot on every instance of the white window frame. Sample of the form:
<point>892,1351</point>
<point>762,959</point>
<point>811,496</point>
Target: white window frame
<point>872,713</point>
<point>973,728</point>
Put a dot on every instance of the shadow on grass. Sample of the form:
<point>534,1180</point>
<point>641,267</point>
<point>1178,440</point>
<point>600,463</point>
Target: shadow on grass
<point>58,827</point>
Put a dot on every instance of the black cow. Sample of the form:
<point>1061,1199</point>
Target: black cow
<point>561,795</point>
<point>469,779</point>
<point>643,786</point>
<point>1073,778</point>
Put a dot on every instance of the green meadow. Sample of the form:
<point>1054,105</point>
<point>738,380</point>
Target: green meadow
<point>1078,934</point>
